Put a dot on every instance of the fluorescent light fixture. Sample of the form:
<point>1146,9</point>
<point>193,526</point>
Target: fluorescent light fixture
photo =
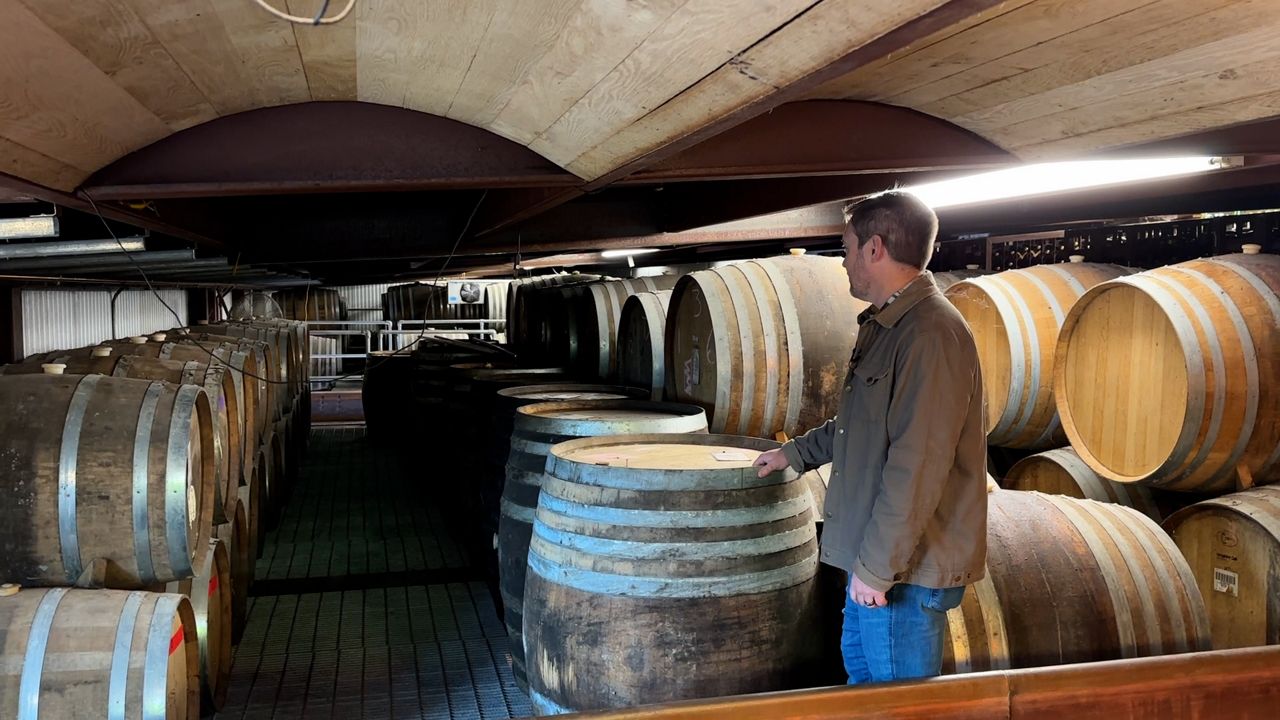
<point>28,227</point>
<point>627,253</point>
<point>1044,178</point>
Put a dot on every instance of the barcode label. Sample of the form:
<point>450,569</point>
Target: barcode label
<point>1225,581</point>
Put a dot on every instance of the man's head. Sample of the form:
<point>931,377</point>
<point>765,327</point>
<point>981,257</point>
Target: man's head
<point>889,239</point>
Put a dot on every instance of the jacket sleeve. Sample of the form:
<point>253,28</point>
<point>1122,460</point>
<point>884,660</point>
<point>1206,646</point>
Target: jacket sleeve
<point>932,389</point>
<point>812,449</point>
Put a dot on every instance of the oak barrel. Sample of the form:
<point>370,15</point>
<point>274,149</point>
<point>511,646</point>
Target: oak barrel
<point>535,429</point>
<point>948,278</point>
<point>312,304</point>
<point>1062,472</point>
<point>762,345</point>
<point>1015,317</point>
<point>103,477</point>
<point>641,338</point>
<point>210,593</point>
<point>1232,544</point>
<point>215,378</point>
<point>661,568</point>
<point>92,654</point>
<point>1072,581</point>
<point>1171,377</point>
<point>242,557</point>
<point>600,312</point>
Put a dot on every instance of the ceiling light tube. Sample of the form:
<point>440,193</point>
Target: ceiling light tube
<point>1047,178</point>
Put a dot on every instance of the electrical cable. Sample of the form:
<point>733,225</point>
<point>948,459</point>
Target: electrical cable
<point>319,19</point>
<point>439,274</point>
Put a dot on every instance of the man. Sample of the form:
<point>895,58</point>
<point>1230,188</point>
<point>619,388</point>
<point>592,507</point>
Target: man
<point>906,511</point>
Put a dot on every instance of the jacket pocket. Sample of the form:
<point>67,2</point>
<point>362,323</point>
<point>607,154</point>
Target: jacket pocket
<point>944,599</point>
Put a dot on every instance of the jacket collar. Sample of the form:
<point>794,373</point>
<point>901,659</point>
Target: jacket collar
<point>915,291</point>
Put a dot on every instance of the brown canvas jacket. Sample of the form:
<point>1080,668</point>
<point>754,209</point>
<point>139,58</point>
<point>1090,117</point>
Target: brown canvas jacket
<point>907,501</point>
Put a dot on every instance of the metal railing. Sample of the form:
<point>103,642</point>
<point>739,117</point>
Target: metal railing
<point>384,336</point>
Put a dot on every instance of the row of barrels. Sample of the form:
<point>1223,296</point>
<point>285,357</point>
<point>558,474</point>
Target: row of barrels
<point>143,475</point>
<point>1168,377</point>
<point>1121,552</point>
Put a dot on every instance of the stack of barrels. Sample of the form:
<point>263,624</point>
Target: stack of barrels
<point>1158,393</point>
<point>140,475</point>
<point>319,305</point>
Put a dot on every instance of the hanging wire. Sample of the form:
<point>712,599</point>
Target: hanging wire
<point>319,19</point>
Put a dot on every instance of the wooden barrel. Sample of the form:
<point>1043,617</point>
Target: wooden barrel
<point>384,394</point>
<point>251,359</point>
<point>313,304</point>
<point>641,334</point>
<point>560,325</point>
<point>273,469</point>
<point>762,345</point>
<point>1072,581</point>
<point>599,313</point>
<point>1062,472</point>
<point>1232,544</point>
<point>1015,317</point>
<point>1171,377</point>
<point>241,362</point>
<point>526,309</point>
<point>98,654</point>
<point>242,555</point>
<point>536,428</point>
<point>661,568</point>
<point>432,379</point>
<point>108,481</point>
<point>217,382</point>
<point>281,369</point>
<point>251,496</point>
<point>946,279</point>
<point>210,593</point>
<point>504,405</point>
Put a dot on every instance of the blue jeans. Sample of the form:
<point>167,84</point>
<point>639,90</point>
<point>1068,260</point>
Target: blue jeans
<point>900,641</point>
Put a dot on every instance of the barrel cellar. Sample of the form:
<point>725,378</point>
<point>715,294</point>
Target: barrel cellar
<point>485,360</point>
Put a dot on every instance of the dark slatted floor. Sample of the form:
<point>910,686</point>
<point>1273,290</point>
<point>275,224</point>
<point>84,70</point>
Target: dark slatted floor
<point>367,605</point>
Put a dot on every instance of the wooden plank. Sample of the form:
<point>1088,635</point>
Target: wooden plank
<point>39,168</point>
<point>442,45</point>
<point>812,41</point>
<point>114,38</point>
<point>1158,128</point>
<point>518,36</point>
<point>693,42</point>
<point>973,58</point>
<point>328,52</point>
<point>1188,80</point>
<point>895,70</point>
<point>596,39</point>
<point>1137,82</point>
<point>195,37</point>
<point>380,78</point>
<point>269,52</point>
<point>1152,32</point>
<point>58,103</point>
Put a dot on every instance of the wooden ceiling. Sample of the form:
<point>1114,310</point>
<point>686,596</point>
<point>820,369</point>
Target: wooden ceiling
<point>682,112</point>
<point>1049,79</point>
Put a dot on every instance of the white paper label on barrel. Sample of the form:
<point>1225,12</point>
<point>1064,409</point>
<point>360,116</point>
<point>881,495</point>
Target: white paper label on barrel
<point>1225,581</point>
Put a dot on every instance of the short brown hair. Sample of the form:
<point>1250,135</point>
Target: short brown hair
<point>907,226</point>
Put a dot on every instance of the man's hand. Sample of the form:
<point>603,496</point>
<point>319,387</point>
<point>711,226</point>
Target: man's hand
<point>771,461</point>
<point>866,596</point>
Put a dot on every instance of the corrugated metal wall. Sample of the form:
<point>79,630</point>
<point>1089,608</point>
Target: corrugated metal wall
<point>59,319</point>
<point>364,302</point>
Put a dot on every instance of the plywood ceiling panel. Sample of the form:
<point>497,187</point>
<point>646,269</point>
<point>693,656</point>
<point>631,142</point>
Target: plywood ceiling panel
<point>596,39</point>
<point>113,37</point>
<point>595,84</point>
<point>815,39</point>
<point>697,39</point>
<point>328,53</point>
<point>58,103</point>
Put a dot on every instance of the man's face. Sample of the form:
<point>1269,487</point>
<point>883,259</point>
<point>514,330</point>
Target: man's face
<point>855,264</point>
